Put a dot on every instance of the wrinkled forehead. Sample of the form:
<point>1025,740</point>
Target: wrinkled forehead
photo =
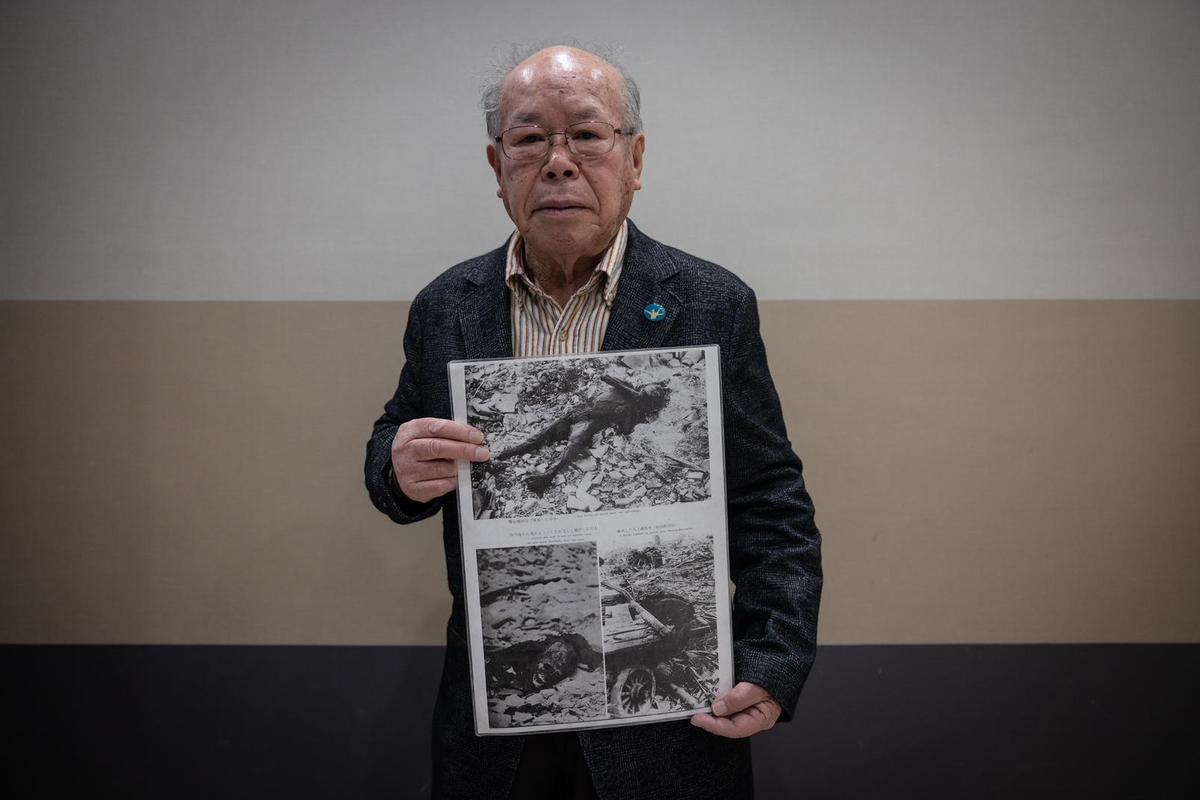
<point>561,82</point>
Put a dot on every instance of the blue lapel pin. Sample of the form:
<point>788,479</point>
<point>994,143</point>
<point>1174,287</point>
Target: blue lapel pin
<point>654,312</point>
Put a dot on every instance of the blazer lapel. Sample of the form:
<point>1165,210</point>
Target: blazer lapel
<point>647,268</point>
<point>485,314</point>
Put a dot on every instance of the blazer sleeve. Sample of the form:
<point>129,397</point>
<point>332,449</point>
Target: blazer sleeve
<point>405,405</point>
<point>775,548</point>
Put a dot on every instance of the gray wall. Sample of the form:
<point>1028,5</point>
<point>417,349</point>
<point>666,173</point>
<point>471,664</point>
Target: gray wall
<point>836,149</point>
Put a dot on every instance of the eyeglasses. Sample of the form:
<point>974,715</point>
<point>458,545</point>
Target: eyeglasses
<point>583,139</point>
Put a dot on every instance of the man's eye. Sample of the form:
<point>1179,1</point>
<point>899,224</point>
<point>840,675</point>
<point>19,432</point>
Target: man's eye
<point>530,138</point>
<point>589,134</point>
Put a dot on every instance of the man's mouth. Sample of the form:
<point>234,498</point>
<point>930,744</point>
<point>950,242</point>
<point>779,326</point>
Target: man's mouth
<point>560,209</point>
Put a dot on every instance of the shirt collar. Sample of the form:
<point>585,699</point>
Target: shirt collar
<point>609,266</point>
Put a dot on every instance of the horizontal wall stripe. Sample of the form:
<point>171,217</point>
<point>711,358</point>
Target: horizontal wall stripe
<point>304,722</point>
<point>182,473</point>
<point>940,149</point>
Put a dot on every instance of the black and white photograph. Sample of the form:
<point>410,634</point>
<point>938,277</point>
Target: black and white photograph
<point>660,633</point>
<point>593,433</point>
<point>540,616</point>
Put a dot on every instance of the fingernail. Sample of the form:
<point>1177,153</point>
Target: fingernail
<point>720,709</point>
<point>477,437</point>
<point>482,453</point>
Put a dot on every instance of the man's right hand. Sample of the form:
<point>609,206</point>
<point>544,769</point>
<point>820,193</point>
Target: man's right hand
<point>424,452</point>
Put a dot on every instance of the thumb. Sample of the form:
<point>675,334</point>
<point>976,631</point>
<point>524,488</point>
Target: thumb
<point>739,698</point>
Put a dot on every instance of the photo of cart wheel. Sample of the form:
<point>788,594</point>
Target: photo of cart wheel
<point>594,433</point>
<point>659,624</point>
<point>541,635</point>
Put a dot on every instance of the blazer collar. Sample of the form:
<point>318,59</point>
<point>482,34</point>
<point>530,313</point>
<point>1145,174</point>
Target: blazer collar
<point>485,313</point>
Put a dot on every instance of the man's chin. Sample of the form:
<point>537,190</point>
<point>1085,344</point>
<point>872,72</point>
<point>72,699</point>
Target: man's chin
<point>567,234</point>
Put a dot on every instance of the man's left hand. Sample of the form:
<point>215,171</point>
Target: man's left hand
<point>744,710</point>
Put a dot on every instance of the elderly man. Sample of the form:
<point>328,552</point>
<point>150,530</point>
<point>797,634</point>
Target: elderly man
<point>567,151</point>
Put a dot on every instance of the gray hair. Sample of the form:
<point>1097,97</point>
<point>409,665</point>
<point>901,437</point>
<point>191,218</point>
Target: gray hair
<point>491,95</point>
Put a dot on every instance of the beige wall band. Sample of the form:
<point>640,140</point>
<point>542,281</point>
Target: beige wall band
<point>1020,471</point>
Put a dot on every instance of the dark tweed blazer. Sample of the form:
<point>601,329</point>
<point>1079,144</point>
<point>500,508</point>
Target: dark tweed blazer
<point>774,545</point>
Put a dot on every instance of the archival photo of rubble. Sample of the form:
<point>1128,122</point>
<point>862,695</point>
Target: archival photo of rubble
<point>540,615</point>
<point>659,625</point>
<point>589,433</point>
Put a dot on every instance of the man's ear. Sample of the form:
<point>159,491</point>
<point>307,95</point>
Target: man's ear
<point>493,158</point>
<point>638,152</point>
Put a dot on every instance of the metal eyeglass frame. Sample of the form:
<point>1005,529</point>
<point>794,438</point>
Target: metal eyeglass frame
<point>566,140</point>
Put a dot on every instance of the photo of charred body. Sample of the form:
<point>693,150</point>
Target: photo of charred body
<point>659,623</point>
<point>541,634</point>
<point>590,433</point>
<point>621,408</point>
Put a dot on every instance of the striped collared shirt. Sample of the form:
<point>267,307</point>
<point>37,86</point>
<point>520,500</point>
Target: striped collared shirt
<point>540,327</point>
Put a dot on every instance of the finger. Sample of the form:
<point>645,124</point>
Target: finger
<point>710,723</point>
<point>764,714</point>
<point>436,428</point>
<point>438,449</point>
<point>737,726</point>
<point>739,697</point>
<point>424,491</point>
<point>417,471</point>
<point>743,723</point>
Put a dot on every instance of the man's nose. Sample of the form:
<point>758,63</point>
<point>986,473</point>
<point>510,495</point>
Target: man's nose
<point>560,161</point>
